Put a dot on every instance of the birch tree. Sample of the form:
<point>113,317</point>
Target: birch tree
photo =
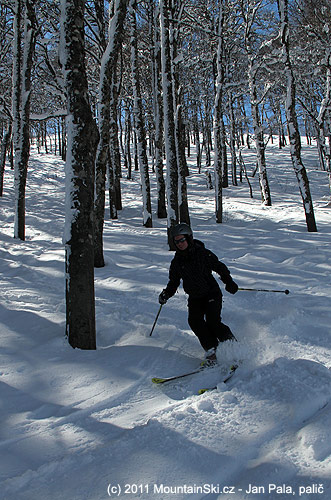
<point>249,11</point>
<point>321,118</point>
<point>6,121</point>
<point>176,12</point>
<point>312,29</point>
<point>117,13</point>
<point>139,120</point>
<point>3,152</point>
<point>219,135</point>
<point>82,143</point>
<point>22,67</point>
<point>292,122</point>
<point>114,144</point>
<point>232,138</point>
<point>158,109</point>
<point>169,121</point>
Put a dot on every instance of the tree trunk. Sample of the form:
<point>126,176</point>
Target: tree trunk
<point>3,152</point>
<point>21,106</point>
<point>111,188</point>
<point>184,215</point>
<point>219,139</point>
<point>117,12</point>
<point>114,144</point>
<point>169,122</point>
<point>139,121</point>
<point>259,137</point>
<point>158,113</point>
<point>128,142</point>
<point>292,122</point>
<point>197,137</point>
<point>249,16</point>
<point>17,74</point>
<point>179,135</point>
<point>82,143</point>
<point>325,104</point>
<point>232,127</point>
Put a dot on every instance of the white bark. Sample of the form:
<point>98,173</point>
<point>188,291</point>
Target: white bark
<point>21,105</point>
<point>169,121</point>
<point>292,122</point>
<point>117,12</point>
<point>219,139</point>
<point>249,19</point>
<point>158,115</point>
<point>139,122</point>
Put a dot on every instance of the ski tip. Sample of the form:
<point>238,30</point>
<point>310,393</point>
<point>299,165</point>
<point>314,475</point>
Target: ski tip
<point>157,380</point>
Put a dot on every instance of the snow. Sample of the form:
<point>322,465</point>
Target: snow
<point>91,425</point>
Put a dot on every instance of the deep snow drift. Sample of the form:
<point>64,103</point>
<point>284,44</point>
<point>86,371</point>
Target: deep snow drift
<point>89,425</point>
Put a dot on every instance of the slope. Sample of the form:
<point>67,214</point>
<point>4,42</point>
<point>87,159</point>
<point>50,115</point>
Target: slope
<point>90,424</point>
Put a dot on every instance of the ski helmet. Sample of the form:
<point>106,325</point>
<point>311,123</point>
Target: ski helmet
<point>183,229</point>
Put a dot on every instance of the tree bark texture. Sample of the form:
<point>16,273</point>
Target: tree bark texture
<point>117,13</point>
<point>139,122</point>
<point>175,14</point>
<point>219,137</point>
<point>249,16</point>
<point>158,113</point>
<point>292,122</point>
<point>82,143</point>
<point>21,104</point>
<point>3,152</point>
<point>259,135</point>
<point>169,122</point>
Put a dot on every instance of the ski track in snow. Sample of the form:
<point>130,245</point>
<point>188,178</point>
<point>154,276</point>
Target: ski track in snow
<point>75,424</point>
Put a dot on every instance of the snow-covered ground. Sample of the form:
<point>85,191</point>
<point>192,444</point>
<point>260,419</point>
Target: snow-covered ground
<point>84,425</point>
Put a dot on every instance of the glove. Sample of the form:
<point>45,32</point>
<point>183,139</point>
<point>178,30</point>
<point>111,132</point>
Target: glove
<point>231,287</point>
<point>163,297</point>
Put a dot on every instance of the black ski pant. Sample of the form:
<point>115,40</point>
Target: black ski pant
<point>204,318</point>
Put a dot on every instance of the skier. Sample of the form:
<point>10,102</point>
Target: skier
<point>193,263</point>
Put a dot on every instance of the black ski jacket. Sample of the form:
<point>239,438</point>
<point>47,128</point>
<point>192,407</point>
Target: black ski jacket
<point>194,267</point>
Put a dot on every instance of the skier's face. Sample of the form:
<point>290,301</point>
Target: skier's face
<point>181,242</point>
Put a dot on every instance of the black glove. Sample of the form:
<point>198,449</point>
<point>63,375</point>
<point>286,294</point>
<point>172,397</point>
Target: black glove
<point>231,287</point>
<point>163,297</point>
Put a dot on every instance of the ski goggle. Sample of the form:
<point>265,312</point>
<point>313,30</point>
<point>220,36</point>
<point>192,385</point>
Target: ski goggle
<point>181,240</point>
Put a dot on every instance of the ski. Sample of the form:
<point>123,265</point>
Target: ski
<point>225,380</point>
<point>203,366</point>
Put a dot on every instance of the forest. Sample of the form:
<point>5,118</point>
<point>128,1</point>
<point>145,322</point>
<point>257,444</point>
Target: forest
<point>128,85</point>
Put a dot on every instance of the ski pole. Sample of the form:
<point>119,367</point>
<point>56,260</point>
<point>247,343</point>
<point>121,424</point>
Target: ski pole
<point>263,290</point>
<point>157,316</point>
